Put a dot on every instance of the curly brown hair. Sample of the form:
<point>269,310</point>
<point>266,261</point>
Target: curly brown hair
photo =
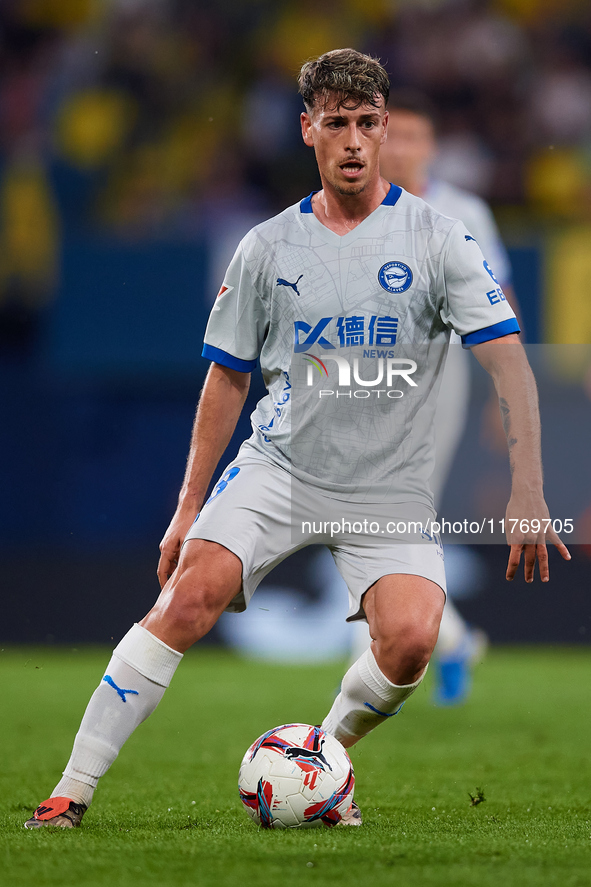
<point>346,75</point>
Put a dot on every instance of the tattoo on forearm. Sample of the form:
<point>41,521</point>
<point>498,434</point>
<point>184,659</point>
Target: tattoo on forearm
<point>506,417</point>
<point>504,407</point>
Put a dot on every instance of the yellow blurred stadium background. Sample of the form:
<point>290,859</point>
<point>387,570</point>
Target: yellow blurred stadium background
<point>156,102</point>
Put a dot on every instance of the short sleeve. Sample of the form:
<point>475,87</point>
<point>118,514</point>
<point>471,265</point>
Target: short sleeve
<point>474,304</point>
<point>238,321</point>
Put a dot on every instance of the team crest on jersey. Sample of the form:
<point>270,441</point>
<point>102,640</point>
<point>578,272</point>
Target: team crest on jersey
<point>395,277</point>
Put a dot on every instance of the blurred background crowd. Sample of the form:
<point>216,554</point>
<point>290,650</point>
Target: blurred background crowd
<point>139,139</point>
<point>150,119</point>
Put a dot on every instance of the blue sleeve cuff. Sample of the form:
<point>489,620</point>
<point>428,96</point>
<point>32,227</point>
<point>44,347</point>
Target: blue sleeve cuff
<point>228,360</point>
<point>496,331</point>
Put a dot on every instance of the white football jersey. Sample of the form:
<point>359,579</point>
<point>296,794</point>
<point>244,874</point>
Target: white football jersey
<point>351,332</point>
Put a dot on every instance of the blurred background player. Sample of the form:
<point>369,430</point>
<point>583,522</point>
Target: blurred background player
<point>406,159</point>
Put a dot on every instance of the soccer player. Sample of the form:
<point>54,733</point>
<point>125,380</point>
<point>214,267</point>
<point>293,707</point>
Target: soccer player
<point>406,159</point>
<point>359,260</point>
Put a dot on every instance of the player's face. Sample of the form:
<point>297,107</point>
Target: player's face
<point>409,148</point>
<point>347,143</point>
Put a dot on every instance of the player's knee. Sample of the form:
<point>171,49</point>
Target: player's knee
<point>404,654</point>
<point>192,601</point>
<point>206,579</point>
<point>196,601</point>
<point>412,661</point>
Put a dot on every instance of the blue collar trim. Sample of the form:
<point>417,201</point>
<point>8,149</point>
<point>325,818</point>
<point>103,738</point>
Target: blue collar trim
<point>306,204</point>
<point>390,199</point>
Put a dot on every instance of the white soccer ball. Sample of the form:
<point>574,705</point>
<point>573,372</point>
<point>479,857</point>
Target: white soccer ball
<point>296,776</point>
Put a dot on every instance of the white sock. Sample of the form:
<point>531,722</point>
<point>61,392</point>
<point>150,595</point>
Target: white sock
<point>139,672</point>
<point>367,698</point>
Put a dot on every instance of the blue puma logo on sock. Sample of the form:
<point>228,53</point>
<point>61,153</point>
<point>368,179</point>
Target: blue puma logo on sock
<point>294,286</point>
<point>109,680</point>
<point>383,714</point>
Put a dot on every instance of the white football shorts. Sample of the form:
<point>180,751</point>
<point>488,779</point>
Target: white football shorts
<point>251,512</point>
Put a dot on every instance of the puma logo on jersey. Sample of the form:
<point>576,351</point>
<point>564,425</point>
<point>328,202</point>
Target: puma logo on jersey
<point>294,286</point>
<point>469,237</point>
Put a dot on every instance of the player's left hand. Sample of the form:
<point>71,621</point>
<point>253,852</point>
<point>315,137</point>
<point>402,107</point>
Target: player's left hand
<point>528,529</point>
<point>531,554</point>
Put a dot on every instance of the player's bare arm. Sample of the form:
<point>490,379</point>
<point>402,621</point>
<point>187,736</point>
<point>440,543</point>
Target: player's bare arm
<point>218,411</point>
<point>506,361</point>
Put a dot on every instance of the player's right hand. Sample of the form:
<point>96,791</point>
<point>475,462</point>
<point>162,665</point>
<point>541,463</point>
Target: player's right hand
<point>170,547</point>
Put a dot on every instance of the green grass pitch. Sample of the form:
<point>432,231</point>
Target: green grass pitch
<point>168,811</point>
